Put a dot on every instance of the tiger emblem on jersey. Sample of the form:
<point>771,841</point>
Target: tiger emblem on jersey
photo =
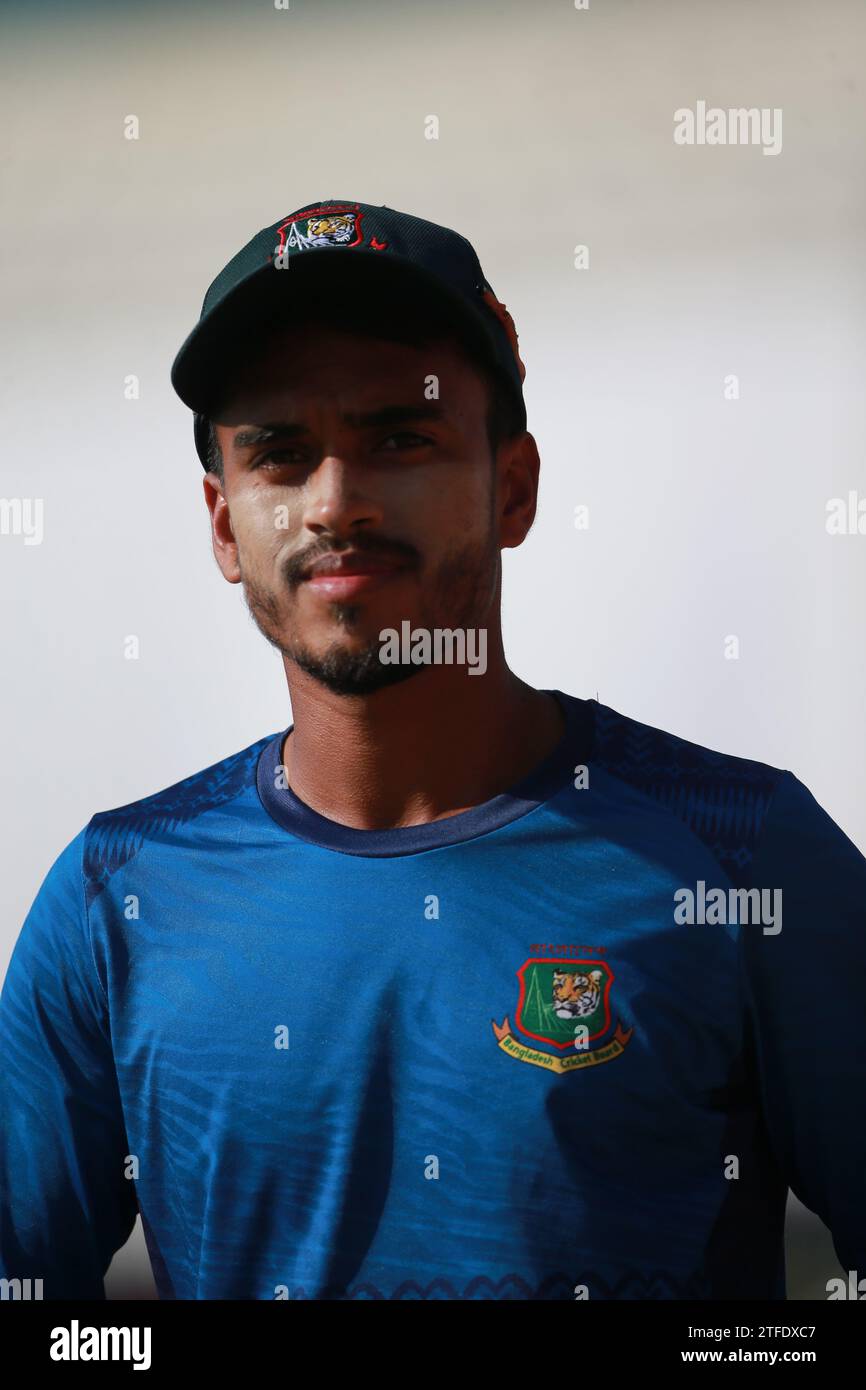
<point>563,1021</point>
<point>576,995</point>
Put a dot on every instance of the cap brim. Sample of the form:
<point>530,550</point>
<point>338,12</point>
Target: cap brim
<point>269,297</point>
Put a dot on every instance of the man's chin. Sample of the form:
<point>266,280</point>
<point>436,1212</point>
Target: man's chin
<point>348,672</point>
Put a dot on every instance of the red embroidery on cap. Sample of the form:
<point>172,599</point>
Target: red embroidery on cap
<point>377,245</point>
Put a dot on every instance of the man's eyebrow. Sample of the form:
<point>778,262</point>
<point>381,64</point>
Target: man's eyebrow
<point>246,439</point>
<point>372,419</point>
<point>396,415</point>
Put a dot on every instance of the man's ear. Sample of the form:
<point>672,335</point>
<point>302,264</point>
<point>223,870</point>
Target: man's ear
<point>519,465</point>
<point>222,534</point>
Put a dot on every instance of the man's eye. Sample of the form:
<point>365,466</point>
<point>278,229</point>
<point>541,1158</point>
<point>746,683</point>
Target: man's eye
<point>278,458</point>
<point>408,437</point>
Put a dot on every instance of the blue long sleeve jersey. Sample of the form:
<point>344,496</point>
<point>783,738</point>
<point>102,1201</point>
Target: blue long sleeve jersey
<point>574,1042</point>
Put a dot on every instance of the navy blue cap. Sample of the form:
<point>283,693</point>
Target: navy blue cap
<point>289,263</point>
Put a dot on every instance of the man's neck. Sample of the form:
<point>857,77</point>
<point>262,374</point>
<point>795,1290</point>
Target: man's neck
<point>432,746</point>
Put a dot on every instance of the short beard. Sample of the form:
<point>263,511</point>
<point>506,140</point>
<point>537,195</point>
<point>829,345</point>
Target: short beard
<point>351,672</point>
<point>462,591</point>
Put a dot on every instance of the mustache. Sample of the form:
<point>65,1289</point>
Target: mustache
<point>295,569</point>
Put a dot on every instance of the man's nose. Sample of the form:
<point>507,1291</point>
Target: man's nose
<point>336,498</point>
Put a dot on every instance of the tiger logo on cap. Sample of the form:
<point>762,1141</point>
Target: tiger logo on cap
<point>322,226</point>
<point>326,231</point>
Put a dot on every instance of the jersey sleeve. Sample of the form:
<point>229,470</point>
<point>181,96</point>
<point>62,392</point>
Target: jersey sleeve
<point>805,999</point>
<point>65,1204</point>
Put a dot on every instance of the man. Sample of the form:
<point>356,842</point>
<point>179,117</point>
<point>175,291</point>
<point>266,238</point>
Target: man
<point>454,988</point>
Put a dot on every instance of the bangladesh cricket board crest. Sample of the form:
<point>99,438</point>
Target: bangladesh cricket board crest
<point>564,1004</point>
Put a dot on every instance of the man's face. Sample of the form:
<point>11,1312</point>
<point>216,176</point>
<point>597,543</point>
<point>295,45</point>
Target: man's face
<point>334,459</point>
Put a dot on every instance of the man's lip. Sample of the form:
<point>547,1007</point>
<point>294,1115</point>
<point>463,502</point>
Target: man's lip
<point>336,566</point>
<point>347,586</point>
